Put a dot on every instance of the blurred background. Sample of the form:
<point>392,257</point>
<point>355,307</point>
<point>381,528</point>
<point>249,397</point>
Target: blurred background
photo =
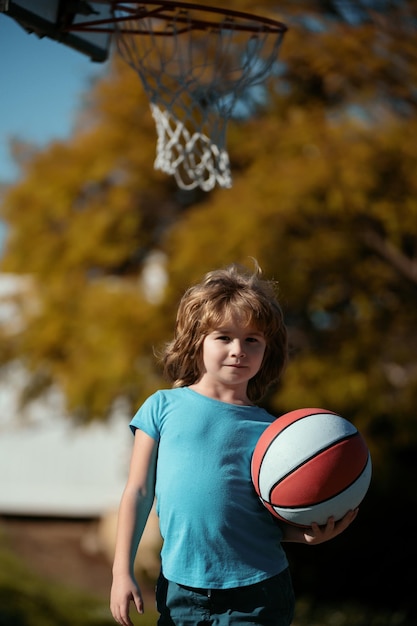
<point>97,247</point>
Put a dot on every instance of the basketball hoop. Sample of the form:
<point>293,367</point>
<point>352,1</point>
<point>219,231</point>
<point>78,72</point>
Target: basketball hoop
<point>198,65</point>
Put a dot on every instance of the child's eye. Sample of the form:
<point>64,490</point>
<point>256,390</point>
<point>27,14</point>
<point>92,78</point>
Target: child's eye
<point>223,338</point>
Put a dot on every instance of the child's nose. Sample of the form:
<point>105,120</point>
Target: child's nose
<point>238,350</point>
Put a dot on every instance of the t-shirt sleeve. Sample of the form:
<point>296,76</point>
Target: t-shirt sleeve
<point>148,417</point>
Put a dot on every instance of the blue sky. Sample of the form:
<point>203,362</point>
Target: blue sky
<point>42,84</point>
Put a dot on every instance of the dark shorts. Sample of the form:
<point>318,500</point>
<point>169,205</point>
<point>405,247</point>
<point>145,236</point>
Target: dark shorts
<point>269,603</point>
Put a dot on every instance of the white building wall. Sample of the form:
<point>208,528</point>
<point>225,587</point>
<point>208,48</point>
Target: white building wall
<point>50,466</point>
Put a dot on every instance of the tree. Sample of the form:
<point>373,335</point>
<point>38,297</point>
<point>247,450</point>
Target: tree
<point>82,234</point>
<point>324,197</point>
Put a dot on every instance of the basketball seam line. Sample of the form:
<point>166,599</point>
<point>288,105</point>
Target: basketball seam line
<point>300,505</point>
<point>304,461</point>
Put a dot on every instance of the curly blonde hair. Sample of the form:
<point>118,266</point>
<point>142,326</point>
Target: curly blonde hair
<point>221,295</point>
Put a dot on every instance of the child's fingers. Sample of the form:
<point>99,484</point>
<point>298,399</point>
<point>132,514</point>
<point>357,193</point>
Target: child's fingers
<point>137,599</point>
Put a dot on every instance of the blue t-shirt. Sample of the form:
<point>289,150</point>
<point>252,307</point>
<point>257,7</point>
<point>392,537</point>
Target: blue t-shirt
<point>216,533</point>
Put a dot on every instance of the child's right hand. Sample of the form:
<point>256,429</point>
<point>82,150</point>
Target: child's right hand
<point>125,590</point>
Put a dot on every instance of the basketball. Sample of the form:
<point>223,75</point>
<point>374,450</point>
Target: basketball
<point>309,465</point>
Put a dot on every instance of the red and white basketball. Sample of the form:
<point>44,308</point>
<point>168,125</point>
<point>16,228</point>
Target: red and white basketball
<point>309,465</point>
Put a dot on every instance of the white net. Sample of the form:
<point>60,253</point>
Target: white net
<point>199,67</point>
<point>194,160</point>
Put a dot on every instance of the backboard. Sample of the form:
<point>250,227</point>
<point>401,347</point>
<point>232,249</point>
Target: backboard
<point>49,18</point>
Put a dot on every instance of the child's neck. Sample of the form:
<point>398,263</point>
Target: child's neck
<point>230,395</point>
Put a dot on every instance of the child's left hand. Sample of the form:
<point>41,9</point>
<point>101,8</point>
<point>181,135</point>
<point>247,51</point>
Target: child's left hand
<point>319,534</point>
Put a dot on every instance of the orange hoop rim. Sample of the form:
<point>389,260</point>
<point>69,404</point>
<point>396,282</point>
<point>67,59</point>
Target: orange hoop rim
<point>164,10</point>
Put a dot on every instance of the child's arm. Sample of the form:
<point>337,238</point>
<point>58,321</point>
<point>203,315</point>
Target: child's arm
<point>135,506</point>
<point>317,534</point>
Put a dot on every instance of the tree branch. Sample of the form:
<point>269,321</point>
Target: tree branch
<point>403,264</point>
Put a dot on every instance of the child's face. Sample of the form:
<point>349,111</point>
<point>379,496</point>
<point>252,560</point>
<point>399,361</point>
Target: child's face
<point>232,353</point>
